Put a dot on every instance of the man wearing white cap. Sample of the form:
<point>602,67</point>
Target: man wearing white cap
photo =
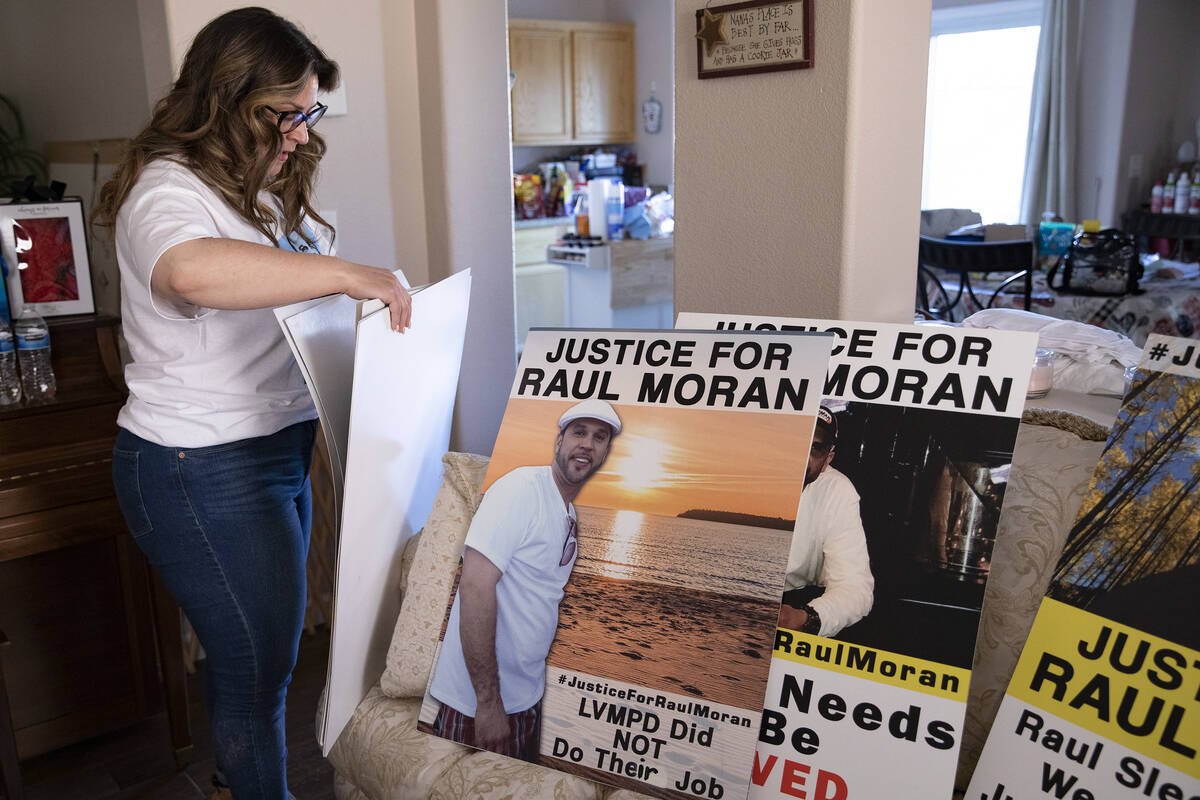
<point>829,583</point>
<point>519,553</point>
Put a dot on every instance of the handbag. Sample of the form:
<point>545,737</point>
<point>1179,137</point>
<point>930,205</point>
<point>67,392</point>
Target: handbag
<point>1099,263</point>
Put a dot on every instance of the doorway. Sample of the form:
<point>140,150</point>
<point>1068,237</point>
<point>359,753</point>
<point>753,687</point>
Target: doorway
<point>558,140</point>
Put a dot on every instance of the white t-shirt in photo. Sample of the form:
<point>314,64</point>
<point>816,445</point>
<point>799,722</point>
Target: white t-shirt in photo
<point>521,527</point>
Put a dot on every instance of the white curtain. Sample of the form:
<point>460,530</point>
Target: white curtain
<point>1050,145</point>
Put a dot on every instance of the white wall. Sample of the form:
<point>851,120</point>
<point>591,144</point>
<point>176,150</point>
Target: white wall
<point>1104,55</point>
<point>1163,87</point>
<point>654,40</point>
<point>74,69</point>
<point>408,174</point>
<point>885,146</point>
<point>590,11</point>
<point>798,192</point>
<point>463,65</point>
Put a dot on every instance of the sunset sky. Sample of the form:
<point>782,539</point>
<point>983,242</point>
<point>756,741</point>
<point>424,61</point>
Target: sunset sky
<point>669,460</point>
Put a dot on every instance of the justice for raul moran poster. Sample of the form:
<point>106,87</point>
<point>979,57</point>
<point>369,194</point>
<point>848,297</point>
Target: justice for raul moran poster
<point>1105,699</point>
<point>892,550</point>
<point>619,587</point>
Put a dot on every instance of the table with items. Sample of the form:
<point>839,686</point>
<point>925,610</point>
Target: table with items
<point>1167,302</point>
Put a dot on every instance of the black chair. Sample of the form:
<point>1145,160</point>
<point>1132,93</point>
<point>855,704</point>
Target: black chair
<point>938,259</point>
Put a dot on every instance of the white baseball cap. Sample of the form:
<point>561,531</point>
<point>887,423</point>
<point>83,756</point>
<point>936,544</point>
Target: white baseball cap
<point>592,409</point>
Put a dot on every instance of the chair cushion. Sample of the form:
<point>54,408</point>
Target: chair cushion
<point>383,755</point>
<point>1050,475</point>
<point>486,776</point>
<point>434,563</point>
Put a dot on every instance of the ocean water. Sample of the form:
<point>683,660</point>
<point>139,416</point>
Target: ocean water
<point>717,557</point>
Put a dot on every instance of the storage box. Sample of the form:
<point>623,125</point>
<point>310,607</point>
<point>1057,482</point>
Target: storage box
<point>1004,233</point>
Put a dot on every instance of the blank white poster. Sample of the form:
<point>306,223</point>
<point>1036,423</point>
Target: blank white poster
<point>321,334</point>
<point>399,427</point>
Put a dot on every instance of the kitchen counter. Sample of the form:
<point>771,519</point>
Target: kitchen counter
<point>543,222</point>
<point>628,283</point>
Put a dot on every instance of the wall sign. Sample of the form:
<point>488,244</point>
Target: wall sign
<point>757,36</point>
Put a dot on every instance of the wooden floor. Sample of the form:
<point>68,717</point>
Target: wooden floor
<point>137,763</point>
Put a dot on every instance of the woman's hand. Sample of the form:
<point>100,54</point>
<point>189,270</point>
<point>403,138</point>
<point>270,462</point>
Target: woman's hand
<point>374,283</point>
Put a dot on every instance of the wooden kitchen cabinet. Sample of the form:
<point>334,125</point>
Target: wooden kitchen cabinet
<point>575,82</point>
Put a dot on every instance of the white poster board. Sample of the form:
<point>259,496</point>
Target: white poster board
<point>402,401</point>
<point>321,334</point>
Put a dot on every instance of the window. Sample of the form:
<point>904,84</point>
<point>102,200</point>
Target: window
<point>981,62</point>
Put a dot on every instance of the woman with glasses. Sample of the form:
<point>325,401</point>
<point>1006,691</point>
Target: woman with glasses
<point>214,225</point>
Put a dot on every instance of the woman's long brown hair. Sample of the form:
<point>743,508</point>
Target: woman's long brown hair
<point>214,120</point>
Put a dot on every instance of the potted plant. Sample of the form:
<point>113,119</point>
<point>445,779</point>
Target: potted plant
<point>17,159</point>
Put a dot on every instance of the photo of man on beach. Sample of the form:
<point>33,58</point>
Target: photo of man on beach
<point>637,652</point>
<point>669,545</point>
<point>519,554</point>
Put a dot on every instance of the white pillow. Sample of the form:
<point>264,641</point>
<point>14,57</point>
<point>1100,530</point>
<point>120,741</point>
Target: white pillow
<point>430,579</point>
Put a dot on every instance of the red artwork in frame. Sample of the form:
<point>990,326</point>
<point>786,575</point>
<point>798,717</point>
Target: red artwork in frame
<point>48,263</point>
<point>45,247</point>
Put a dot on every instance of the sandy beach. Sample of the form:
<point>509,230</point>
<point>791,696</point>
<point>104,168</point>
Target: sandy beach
<point>706,645</point>
<point>710,647</point>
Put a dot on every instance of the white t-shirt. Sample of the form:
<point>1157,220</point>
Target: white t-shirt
<point>521,527</point>
<point>198,376</point>
<point>829,549</point>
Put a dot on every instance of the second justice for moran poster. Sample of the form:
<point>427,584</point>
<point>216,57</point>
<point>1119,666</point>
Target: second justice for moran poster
<point>894,534</point>
<point>1105,699</point>
<point>619,589</point>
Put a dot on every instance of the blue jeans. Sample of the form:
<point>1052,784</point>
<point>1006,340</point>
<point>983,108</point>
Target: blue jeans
<point>227,528</point>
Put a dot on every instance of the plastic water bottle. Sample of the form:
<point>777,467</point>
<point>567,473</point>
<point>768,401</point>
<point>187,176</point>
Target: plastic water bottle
<point>614,208</point>
<point>33,355</point>
<point>10,380</point>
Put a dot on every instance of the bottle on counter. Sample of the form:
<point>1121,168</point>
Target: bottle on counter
<point>1168,204</point>
<point>598,220</point>
<point>1156,198</point>
<point>568,193</point>
<point>1194,198</point>
<point>614,208</point>
<point>580,209</point>
<point>10,378</point>
<point>33,357</point>
<point>1183,192</point>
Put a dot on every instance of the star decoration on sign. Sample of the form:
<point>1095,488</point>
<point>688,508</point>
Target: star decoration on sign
<point>712,31</point>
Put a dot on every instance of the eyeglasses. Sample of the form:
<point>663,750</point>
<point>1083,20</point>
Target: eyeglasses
<point>288,121</point>
<point>569,546</point>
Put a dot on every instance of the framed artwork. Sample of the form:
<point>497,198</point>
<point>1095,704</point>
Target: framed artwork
<point>46,249</point>
<point>755,36</point>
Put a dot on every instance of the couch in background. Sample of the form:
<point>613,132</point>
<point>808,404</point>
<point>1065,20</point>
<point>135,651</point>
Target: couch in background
<point>382,756</point>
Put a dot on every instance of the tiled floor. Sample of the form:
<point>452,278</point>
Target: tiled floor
<point>136,762</point>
